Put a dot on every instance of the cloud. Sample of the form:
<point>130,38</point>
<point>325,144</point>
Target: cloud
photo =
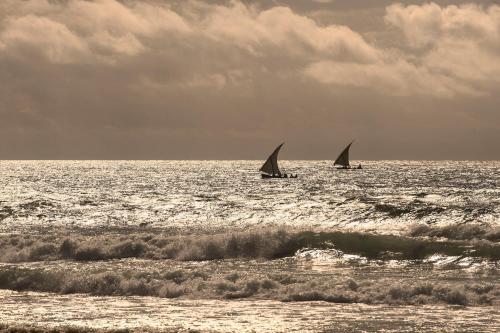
<point>84,31</point>
<point>457,47</point>
<point>393,78</point>
<point>281,28</point>
<point>139,18</point>
<point>42,37</point>
<point>106,44</point>
<point>108,26</point>
<point>190,73</point>
<point>457,53</point>
<point>431,24</point>
<point>461,43</point>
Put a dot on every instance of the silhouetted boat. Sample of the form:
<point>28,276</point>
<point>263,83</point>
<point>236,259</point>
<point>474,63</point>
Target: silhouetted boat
<point>270,167</point>
<point>342,162</point>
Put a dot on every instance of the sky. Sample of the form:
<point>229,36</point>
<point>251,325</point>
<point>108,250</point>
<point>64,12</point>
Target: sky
<point>158,79</point>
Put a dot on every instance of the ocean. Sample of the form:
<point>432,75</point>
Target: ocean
<point>209,246</point>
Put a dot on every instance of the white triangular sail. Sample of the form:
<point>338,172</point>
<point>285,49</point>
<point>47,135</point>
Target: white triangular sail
<point>271,165</point>
<point>343,159</point>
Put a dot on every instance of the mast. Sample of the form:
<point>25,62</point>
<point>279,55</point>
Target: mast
<point>343,159</point>
<point>271,164</point>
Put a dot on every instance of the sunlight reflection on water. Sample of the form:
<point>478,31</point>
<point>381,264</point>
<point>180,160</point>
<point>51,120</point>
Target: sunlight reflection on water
<point>385,196</point>
<point>49,310</point>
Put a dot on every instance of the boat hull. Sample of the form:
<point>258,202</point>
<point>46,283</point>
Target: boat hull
<point>264,176</point>
<point>349,168</point>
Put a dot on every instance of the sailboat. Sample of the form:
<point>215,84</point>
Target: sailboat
<point>270,168</point>
<point>342,162</point>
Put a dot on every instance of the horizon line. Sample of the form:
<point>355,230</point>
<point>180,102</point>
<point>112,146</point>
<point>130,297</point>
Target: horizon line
<point>201,160</point>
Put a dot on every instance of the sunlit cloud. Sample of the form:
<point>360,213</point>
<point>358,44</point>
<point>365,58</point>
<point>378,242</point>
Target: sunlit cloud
<point>239,68</point>
<point>458,50</point>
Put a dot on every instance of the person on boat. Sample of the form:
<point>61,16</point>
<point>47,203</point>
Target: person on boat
<point>359,166</point>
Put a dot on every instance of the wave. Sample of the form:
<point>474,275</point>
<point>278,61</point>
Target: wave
<point>458,232</point>
<point>198,284</point>
<point>262,243</point>
<point>416,208</point>
<point>419,209</point>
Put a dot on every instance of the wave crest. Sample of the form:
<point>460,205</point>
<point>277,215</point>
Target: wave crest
<point>263,243</point>
<point>188,283</point>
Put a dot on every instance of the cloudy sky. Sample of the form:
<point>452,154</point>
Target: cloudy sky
<point>189,79</point>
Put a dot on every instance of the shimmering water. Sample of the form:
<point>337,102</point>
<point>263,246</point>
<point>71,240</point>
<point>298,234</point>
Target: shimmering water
<point>386,196</point>
<point>242,316</point>
<point>209,245</point>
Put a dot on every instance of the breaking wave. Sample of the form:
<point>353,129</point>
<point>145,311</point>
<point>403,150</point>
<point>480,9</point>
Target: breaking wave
<point>197,284</point>
<point>264,243</point>
<point>423,247</point>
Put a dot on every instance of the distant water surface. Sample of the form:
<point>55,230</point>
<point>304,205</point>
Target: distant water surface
<point>386,196</point>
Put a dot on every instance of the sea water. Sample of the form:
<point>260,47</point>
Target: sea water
<point>209,245</point>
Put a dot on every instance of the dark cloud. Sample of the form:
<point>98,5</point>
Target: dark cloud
<point>193,79</point>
